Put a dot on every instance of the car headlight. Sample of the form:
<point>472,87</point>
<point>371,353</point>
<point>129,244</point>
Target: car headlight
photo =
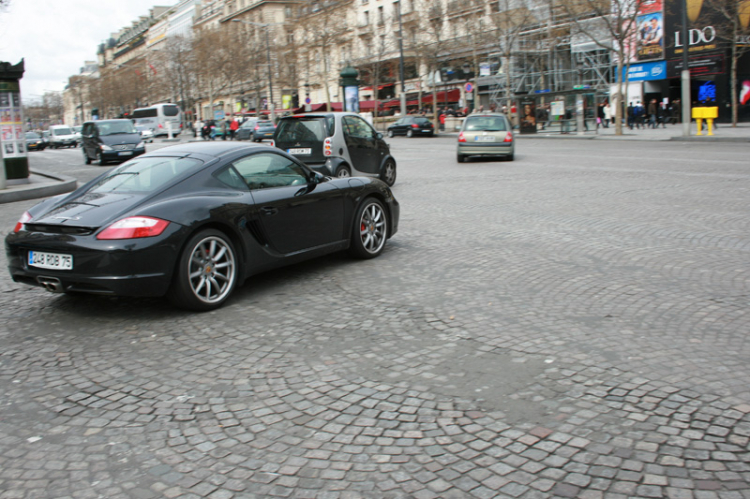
<point>140,145</point>
<point>105,147</point>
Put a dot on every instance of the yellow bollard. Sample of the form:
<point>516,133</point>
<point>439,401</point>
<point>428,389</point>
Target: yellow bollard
<point>700,125</point>
<point>710,122</point>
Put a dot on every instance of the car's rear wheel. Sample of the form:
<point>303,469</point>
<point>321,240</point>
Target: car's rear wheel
<point>389,173</point>
<point>460,158</point>
<point>370,230</point>
<point>86,158</point>
<point>343,171</point>
<point>206,273</point>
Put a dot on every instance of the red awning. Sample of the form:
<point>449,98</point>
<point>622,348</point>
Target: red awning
<point>369,105</point>
<point>453,96</point>
<point>380,87</point>
<point>392,103</point>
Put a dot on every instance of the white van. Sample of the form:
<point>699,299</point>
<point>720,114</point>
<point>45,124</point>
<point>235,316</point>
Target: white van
<point>62,136</point>
<point>159,118</point>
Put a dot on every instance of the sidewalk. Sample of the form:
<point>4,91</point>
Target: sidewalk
<point>39,185</point>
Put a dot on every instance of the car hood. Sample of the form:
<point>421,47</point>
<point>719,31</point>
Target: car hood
<point>120,138</point>
<point>88,210</point>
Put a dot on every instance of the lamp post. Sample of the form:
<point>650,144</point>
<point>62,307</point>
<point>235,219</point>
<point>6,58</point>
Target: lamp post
<point>400,62</point>
<point>685,74</point>
<point>268,61</point>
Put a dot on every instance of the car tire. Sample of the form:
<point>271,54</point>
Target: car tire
<point>388,175</point>
<point>206,274</point>
<point>343,171</point>
<point>510,157</point>
<point>369,229</point>
<point>86,158</point>
<point>409,133</point>
<point>100,159</point>
<point>390,134</point>
<point>460,158</point>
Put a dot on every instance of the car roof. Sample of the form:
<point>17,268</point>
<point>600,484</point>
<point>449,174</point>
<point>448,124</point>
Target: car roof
<point>320,115</point>
<point>209,148</point>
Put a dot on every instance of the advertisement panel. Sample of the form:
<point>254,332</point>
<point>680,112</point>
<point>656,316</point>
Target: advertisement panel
<point>647,71</point>
<point>704,25</point>
<point>650,36</point>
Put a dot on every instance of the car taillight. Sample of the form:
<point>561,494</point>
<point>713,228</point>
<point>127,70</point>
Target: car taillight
<point>134,228</point>
<point>414,125</point>
<point>273,143</point>
<point>461,137</point>
<point>508,137</point>
<point>257,127</point>
<point>327,148</point>
<point>24,218</point>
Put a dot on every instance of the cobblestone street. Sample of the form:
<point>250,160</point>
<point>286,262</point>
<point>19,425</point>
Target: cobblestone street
<point>570,324</point>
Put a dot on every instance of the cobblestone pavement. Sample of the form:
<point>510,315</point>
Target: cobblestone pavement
<point>571,324</point>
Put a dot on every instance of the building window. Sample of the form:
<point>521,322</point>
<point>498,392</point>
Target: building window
<point>366,19</point>
<point>381,17</point>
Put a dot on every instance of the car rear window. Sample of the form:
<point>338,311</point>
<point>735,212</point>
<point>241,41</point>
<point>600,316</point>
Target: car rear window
<point>144,174</point>
<point>422,121</point>
<point>301,130</point>
<point>62,131</point>
<point>486,123</point>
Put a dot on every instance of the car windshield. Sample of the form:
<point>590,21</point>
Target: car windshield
<point>62,131</point>
<point>301,130</point>
<point>144,174</point>
<point>116,127</point>
<point>485,124</point>
<point>32,135</point>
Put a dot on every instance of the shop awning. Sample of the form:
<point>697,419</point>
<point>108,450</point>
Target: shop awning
<point>452,96</point>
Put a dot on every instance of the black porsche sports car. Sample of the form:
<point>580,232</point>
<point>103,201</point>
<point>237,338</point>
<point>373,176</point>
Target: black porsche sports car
<point>192,221</point>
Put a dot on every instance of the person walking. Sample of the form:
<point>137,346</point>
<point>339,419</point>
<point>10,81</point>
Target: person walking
<point>233,126</point>
<point>607,114</point>
<point>652,112</point>
<point>600,115</point>
<point>631,115</point>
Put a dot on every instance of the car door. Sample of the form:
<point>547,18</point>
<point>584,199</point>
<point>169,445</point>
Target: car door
<point>296,216</point>
<point>362,143</point>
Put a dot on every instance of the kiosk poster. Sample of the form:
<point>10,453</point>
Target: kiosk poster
<point>12,137</point>
<point>650,36</point>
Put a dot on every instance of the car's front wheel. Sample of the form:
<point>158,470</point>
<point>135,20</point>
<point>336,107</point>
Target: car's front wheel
<point>207,272</point>
<point>388,175</point>
<point>390,133</point>
<point>409,133</point>
<point>100,159</point>
<point>343,171</point>
<point>370,230</point>
<point>460,158</point>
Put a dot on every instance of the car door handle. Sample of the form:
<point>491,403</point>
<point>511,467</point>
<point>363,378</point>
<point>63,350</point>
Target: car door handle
<point>269,210</point>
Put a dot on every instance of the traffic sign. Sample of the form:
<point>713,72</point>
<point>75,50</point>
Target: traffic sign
<point>468,87</point>
<point>307,100</point>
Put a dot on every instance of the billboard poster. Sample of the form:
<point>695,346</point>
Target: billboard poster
<point>650,36</point>
<point>528,115</point>
<point>12,136</point>
<point>704,29</point>
<point>649,6</point>
<point>351,96</point>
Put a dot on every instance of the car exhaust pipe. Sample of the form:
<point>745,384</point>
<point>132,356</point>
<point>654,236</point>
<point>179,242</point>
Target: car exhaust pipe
<point>51,284</point>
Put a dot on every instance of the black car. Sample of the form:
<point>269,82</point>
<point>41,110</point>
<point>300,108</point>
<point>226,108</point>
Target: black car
<point>34,142</point>
<point>412,126</point>
<point>193,221</point>
<point>110,140</point>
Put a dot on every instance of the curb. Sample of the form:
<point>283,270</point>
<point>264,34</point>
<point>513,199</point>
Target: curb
<point>51,185</point>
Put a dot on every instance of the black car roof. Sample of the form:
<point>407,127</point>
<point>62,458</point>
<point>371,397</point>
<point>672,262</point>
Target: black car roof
<point>208,148</point>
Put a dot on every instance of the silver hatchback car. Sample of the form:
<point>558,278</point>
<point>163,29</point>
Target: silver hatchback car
<point>336,144</point>
<point>486,134</point>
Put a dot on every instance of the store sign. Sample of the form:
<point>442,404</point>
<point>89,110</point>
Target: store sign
<point>647,71</point>
<point>709,64</point>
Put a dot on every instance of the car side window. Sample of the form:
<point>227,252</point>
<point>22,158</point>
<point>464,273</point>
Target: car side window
<point>354,126</point>
<point>269,170</point>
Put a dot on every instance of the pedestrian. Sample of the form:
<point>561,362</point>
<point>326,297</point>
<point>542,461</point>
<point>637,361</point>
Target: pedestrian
<point>638,114</point>
<point>652,113</point>
<point>224,129</point>
<point>442,121</point>
<point>663,115</point>
<point>198,128</point>
<point>607,114</point>
<point>233,126</point>
<point>631,115</point>
<point>600,115</point>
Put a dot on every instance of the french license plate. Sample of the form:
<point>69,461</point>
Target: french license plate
<point>485,138</point>
<point>54,261</point>
<point>304,150</point>
<point>125,153</point>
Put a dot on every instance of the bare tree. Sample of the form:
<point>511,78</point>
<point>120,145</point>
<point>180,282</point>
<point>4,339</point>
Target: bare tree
<point>373,64</point>
<point>432,44</point>
<point>212,58</point>
<point>611,25</point>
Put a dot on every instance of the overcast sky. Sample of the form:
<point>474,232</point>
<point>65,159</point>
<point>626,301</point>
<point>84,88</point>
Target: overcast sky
<point>56,37</point>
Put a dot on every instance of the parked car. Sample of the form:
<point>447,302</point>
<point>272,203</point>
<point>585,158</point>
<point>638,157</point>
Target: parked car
<point>34,142</point>
<point>337,144</point>
<point>77,131</point>
<point>412,126</point>
<point>263,129</point>
<point>245,131</point>
<point>111,140</point>
<point>61,136</point>
<point>146,133</point>
<point>487,134</point>
<point>192,221</point>
<point>45,138</point>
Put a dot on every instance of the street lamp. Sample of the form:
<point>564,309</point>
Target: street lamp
<point>268,60</point>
